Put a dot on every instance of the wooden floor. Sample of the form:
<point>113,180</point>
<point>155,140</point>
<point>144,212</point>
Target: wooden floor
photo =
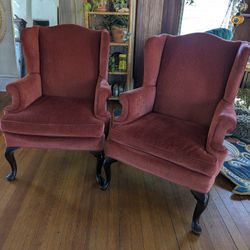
<point>56,204</point>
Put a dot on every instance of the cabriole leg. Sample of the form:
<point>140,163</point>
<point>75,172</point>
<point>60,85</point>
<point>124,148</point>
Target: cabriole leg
<point>9,155</point>
<point>107,168</point>
<point>100,159</point>
<point>202,201</point>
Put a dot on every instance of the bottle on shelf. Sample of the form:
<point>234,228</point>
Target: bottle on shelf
<point>115,90</point>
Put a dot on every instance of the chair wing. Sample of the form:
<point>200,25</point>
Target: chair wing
<point>61,103</point>
<point>175,124</point>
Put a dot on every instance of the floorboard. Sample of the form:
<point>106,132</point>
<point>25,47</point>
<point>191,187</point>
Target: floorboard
<point>56,204</point>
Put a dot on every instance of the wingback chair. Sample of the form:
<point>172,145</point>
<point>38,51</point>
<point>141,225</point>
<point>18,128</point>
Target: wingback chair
<point>174,125</point>
<point>61,102</point>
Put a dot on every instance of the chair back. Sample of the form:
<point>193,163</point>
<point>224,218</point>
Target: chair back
<point>68,57</point>
<point>193,76</point>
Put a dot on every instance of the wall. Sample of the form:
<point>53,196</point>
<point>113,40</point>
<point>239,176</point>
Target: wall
<point>45,10</point>
<point>8,68</point>
<point>36,9</point>
<point>70,11</point>
<point>153,18</point>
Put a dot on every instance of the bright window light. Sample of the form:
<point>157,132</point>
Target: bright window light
<point>205,15</point>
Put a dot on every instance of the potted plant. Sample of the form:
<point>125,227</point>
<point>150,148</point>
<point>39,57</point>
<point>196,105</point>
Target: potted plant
<point>120,5</point>
<point>96,5</point>
<point>118,27</point>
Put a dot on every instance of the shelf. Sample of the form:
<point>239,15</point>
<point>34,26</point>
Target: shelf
<point>118,44</point>
<point>109,13</point>
<point>114,98</point>
<point>118,73</point>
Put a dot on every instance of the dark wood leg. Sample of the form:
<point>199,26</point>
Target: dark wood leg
<point>100,159</point>
<point>202,201</point>
<point>9,155</point>
<point>107,168</point>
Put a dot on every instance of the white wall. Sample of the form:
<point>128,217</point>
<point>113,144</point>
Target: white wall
<point>8,68</point>
<point>45,10</point>
<point>36,9</point>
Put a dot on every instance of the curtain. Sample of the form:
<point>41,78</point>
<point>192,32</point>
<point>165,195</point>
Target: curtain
<point>70,11</point>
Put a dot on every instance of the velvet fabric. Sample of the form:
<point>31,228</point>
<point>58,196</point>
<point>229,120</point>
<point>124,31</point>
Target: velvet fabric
<point>159,167</point>
<point>203,76</point>
<point>49,142</point>
<point>55,116</point>
<point>175,124</point>
<point>61,103</point>
<point>168,138</point>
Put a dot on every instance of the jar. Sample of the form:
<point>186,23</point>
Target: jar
<point>115,90</point>
<point>122,62</point>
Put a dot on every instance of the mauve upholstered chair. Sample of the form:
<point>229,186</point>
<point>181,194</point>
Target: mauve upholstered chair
<point>61,102</point>
<point>174,125</point>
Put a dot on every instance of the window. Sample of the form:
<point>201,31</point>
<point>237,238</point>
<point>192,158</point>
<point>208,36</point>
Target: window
<point>205,15</point>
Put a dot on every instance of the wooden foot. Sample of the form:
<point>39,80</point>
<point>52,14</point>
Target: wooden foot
<point>100,159</point>
<point>107,168</point>
<point>202,201</point>
<point>9,155</point>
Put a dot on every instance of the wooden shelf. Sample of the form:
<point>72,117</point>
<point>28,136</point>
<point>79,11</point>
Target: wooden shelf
<point>94,18</point>
<point>109,13</point>
<point>118,73</point>
<point>114,98</point>
<point>118,44</point>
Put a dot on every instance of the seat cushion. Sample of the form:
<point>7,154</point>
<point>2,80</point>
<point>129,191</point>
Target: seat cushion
<point>55,116</point>
<point>168,138</point>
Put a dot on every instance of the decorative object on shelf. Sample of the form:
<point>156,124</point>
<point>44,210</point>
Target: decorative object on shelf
<point>118,27</point>
<point>122,62</point>
<point>101,5</point>
<point>118,34</point>
<point>119,20</point>
<point>121,88</point>
<point>120,5</point>
<point>115,90</point>
<point>96,5</point>
<point>3,23</point>
<point>237,20</point>
<point>239,17</point>
<point>112,64</point>
<point>242,6</point>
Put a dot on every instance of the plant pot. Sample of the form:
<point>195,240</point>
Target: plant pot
<point>118,33</point>
<point>101,9</point>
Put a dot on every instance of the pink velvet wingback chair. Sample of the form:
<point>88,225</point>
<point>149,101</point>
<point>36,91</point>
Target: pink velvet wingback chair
<point>174,125</point>
<point>61,102</point>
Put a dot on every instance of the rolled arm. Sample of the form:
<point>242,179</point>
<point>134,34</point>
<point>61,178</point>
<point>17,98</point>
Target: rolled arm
<point>135,103</point>
<point>24,92</point>
<point>224,121</point>
<point>103,92</point>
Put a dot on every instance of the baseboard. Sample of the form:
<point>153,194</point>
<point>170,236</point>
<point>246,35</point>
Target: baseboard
<point>4,80</point>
